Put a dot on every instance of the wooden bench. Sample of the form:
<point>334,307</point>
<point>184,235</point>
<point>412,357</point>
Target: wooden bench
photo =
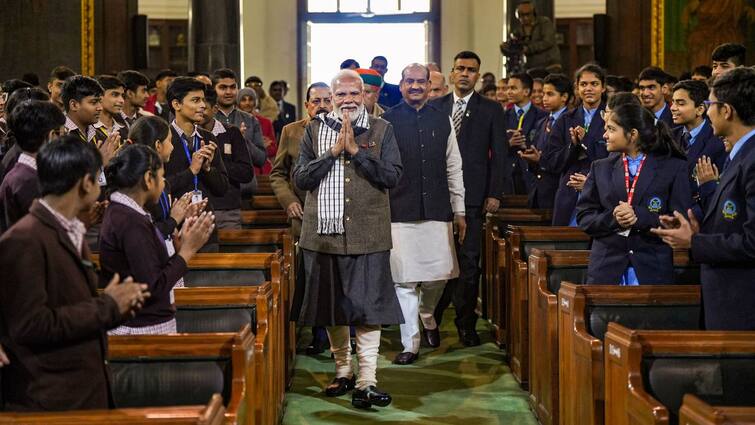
<point>265,202</point>
<point>492,261</point>
<point>270,240</point>
<point>190,367</point>
<point>547,269</point>
<point>211,414</point>
<point>514,201</point>
<point>697,412</point>
<point>583,316</point>
<point>263,185</point>
<point>648,372</point>
<point>263,274</point>
<point>519,242</point>
<point>260,219</point>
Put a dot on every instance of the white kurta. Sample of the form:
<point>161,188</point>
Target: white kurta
<point>423,251</point>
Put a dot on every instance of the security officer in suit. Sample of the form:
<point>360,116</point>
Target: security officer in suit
<point>724,242</point>
<point>520,123</point>
<point>478,123</point>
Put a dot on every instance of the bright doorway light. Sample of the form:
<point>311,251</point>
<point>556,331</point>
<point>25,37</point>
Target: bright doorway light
<point>331,44</point>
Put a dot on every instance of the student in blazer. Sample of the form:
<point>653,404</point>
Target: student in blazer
<point>557,92</point>
<point>624,196</point>
<point>52,320</point>
<point>724,241</point>
<point>576,141</point>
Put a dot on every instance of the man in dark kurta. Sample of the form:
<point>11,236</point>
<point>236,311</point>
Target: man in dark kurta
<point>52,321</point>
<point>347,170</point>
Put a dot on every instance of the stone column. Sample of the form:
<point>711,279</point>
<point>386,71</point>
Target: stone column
<point>214,28</point>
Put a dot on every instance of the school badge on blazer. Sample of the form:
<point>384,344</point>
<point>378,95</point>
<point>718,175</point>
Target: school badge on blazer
<point>729,210</point>
<point>655,204</point>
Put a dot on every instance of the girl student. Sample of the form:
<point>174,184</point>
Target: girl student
<point>644,178</point>
<point>575,141</point>
<point>557,90</point>
<point>132,246</point>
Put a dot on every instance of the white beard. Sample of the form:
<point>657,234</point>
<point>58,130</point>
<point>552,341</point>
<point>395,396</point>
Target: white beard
<point>352,115</point>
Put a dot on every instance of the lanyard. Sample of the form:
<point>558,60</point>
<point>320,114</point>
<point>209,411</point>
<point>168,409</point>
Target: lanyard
<point>164,205</point>
<point>630,190</point>
<point>184,143</point>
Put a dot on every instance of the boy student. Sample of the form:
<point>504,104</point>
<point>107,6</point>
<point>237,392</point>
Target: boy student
<point>723,241</point>
<point>33,123</point>
<point>54,321</point>
<point>82,98</point>
<point>112,105</point>
<point>136,95</point>
<point>557,90</point>
<point>195,165</point>
<point>519,121</point>
<point>236,160</point>
<point>727,56</point>
<point>225,83</point>
<point>17,98</point>
<point>58,76</point>
<point>653,91</point>
<point>694,133</point>
<point>576,140</point>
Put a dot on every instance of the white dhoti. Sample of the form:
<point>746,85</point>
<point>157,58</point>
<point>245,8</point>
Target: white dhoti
<point>423,258</point>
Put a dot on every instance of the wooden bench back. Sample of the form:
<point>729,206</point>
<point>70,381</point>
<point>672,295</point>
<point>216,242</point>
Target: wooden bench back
<point>633,356</point>
<point>580,342</point>
<point>211,414</point>
<point>697,412</point>
<point>237,347</point>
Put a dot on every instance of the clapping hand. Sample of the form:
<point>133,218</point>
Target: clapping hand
<point>531,155</point>
<point>577,181</point>
<point>129,296</point>
<point>677,231</point>
<point>577,134</point>
<point>705,170</point>
<point>624,215</point>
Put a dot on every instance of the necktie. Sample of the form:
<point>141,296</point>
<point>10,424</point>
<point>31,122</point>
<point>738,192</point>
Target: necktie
<point>549,124</point>
<point>519,114</point>
<point>686,137</point>
<point>458,114</point>
<point>726,165</point>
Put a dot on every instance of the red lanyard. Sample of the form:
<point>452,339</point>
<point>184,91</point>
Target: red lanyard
<point>630,190</point>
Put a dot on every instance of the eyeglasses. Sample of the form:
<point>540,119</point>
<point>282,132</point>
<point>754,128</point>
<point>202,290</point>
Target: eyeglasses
<point>707,103</point>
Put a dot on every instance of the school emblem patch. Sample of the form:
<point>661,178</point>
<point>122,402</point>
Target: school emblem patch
<point>730,210</point>
<point>655,204</point>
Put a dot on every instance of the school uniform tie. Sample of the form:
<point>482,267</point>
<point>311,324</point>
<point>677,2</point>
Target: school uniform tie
<point>458,115</point>
<point>726,165</point>
<point>686,138</point>
<point>549,123</point>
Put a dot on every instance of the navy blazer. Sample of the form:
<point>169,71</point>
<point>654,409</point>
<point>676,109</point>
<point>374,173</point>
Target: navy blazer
<point>667,118</point>
<point>725,247</point>
<point>565,159</point>
<point>544,185</point>
<point>481,140</point>
<point>662,188</point>
<point>516,168</point>
<point>708,144</point>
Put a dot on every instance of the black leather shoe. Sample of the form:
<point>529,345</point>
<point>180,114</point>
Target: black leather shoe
<point>340,386</point>
<point>405,358</point>
<point>364,399</point>
<point>432,337</point>
<point>317,347</point>
<point>469,338</point>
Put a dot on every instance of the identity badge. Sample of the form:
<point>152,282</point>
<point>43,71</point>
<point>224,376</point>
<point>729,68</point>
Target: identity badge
<point>196,196</point>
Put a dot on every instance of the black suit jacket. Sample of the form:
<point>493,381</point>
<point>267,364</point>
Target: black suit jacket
<point>662,188</point>
<point>482,143</point>
<point>725,247</point>
<point>666,117</point>
<point>286,116</point>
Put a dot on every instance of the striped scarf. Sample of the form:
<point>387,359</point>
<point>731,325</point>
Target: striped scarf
<point>330,199</point>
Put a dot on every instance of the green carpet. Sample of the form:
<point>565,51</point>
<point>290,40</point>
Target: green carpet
<point>448,385</point>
